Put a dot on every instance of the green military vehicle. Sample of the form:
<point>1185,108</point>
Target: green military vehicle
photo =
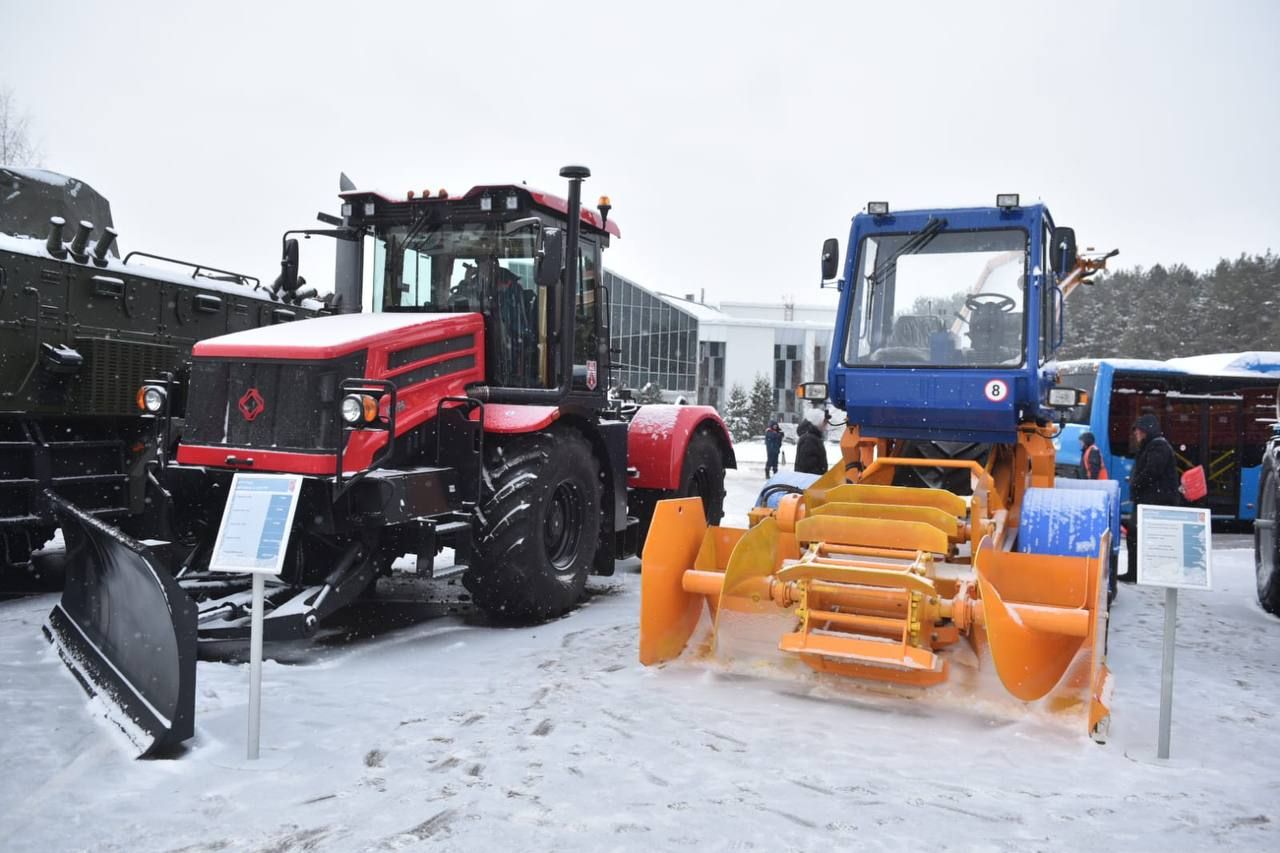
<point>81,330</point>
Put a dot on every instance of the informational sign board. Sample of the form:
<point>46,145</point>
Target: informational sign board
<point>1175,547</point>
<point>254,533</point>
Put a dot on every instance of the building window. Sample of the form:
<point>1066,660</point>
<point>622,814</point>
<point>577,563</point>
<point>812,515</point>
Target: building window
<point>788,372</point>
<point>656,340</point>
<point>711,373</point>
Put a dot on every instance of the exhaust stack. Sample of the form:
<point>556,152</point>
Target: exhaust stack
<point>80,243</point>
<point>53,244</point>
<point>103,246</point>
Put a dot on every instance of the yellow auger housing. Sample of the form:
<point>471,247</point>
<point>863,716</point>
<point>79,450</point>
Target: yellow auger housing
<point>876,581</point>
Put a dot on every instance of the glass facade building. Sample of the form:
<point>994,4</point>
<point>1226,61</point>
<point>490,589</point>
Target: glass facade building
<point>657,341</point>
<point>699,352</point>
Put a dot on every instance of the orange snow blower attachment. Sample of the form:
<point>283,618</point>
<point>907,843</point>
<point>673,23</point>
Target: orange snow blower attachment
<point>864,590</point>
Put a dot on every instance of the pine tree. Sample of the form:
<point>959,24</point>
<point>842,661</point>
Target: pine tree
<point>1166,312</point>
<point>761,404</point>
<point>737,414</point>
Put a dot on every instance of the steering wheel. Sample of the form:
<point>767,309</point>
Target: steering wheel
<point>1005,304</point>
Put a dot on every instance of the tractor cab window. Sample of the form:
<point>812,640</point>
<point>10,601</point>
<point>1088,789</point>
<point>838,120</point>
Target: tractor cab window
<point>586,310</point>
<point>1049,307</point>
<point>471,267</point>
<point>939,298</point>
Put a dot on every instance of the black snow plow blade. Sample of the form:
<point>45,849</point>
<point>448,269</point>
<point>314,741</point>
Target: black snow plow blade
<point>127,632</point>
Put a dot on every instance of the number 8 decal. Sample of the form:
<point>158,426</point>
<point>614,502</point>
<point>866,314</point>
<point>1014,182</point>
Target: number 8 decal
<point>996,390</point>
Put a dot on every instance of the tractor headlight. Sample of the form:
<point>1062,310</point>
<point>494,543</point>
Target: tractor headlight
<point>352,410</point>
<point>359,409</point>
<point>151,398</point>
<point>815,392</point>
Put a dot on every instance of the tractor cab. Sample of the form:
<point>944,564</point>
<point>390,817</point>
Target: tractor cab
<point>497,251</point>
<point>947,318</point>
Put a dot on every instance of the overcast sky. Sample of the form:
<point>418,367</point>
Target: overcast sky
<point>732,139</point>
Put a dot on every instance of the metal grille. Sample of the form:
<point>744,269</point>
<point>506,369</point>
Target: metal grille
<point>114,370</point>
<point>299,408</point>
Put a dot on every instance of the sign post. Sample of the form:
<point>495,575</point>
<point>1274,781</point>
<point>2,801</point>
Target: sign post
<point>255,665</point>
<point>253,538</point>
<point>1175,550</point>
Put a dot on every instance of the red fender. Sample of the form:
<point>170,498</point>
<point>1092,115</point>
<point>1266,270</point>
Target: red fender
<point>658,438</point>
<point>503,418</point>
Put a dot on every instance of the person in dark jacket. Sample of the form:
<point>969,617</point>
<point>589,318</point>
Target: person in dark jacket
<point>772,447</point>
<point>811,448</point>
<point>1153,481</point>
<point>1091,464</point>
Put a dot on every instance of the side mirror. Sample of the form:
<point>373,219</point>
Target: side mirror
<point>550,264</point>
<point>1063,250</point>
<point>288,278</point>
<point>1067,398</point>
<point>830,258</point>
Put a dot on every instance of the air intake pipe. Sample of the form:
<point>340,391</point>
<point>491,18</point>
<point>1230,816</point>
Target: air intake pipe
<point>563,307</point>
<point>348,265</point>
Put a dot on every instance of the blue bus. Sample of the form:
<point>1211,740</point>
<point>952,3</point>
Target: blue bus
<point>1216,411</point>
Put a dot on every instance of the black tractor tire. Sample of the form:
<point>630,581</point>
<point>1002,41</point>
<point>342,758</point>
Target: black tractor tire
<point>702,475</point>
<point>540,526</point>
<point>954,480</point>
<point>1266,541</point>
<point>1113,578</point>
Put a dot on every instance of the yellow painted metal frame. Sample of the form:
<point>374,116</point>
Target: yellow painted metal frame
<point>855,561</point>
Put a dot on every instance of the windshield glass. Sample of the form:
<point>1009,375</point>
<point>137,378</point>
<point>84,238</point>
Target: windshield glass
<point>450,267</point>
<point>938,297</point>
<point>459,266</point>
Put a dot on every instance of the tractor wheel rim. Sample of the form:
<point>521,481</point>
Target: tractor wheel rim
<point>562,526</point>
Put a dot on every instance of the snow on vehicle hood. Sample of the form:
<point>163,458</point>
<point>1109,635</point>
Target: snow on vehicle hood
<point>332,336</point>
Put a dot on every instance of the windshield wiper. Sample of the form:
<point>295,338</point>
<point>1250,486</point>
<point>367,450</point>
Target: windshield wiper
<point>916,243</point>
<point>415,228</point>
<point>913,244</point>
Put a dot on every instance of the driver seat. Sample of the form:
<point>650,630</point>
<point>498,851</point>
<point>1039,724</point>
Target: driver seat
<point>913,330</point>
<point>908,340</point>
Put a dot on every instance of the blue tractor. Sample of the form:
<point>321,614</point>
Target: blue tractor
<point>941,519</point>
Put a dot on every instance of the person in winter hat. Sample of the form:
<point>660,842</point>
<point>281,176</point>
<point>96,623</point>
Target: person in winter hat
<point>772,447</point>
<point>811,443</point>
<point>1091,465</point>
<point>1153,481</point>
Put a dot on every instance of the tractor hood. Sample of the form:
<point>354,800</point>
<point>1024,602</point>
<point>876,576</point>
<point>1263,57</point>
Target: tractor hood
<point>268,398</point>
<point>336,335</point>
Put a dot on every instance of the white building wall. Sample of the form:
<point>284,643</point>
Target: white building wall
<point>748,352</point>
<point>777,311</point>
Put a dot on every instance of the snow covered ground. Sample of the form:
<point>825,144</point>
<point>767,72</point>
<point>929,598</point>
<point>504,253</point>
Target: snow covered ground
<point>450,735</point>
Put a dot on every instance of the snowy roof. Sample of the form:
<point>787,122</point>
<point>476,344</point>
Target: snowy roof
<point>712,315</point>
<point>35,247</point>
<point>1226,363</point>
<point>1252,363</point>
<point>700,310</point>
<point>44,176</point>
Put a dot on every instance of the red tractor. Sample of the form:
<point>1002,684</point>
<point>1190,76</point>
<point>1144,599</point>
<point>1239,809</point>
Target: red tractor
<point>466,408</point>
